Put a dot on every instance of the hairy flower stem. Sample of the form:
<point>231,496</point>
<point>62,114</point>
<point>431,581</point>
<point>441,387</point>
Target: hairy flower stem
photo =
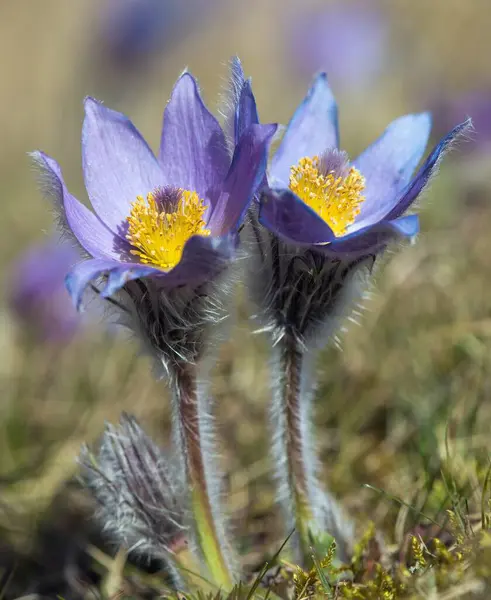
<point>311,510</point>
<point>293,455</point>
<point>209,533</point>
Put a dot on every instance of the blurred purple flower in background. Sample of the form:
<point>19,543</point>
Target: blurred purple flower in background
<point>132,32</point>
<point>475,104</point>
<point>37,292</point>
<point>345,39</point>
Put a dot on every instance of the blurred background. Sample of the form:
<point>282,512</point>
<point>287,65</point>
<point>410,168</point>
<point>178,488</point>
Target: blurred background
<point>406,396</point>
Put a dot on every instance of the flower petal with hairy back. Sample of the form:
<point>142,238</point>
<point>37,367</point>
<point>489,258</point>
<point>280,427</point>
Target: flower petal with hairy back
<point>315,233</point>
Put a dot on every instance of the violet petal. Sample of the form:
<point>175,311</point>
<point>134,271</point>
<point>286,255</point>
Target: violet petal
<point>118,164</point>
<point>83,273</point>
<point>87,228</point>
<point>374,238</point>
<point>193,151</point>
<point>388,165</point>
<point>427,170</point>
<point>119,276</point>
<point>232,98</point>
<point>243,180</point>
<point>202,259</point>
<point>246,113</point>
<point>286,215</point>
<point>312,129</point>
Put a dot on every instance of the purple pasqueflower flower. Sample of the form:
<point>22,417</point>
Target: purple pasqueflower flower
<point>173,218</point>
<point>326,214</point>
<point>317,198</point>
<point>37,291</point>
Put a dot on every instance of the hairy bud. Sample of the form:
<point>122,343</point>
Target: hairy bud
<point>139,496</point>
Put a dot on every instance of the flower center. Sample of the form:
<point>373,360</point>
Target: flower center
<point>334,197</point>
<point>159,229</point>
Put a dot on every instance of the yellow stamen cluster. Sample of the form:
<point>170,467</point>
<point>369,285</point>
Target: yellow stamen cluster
<point>334,198</point>
<point>158,236</point>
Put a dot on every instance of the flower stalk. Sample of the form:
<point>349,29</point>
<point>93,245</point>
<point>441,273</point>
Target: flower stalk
<point>192,441</point>
<point>292,448</point>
